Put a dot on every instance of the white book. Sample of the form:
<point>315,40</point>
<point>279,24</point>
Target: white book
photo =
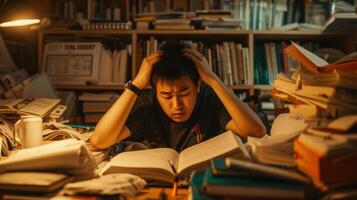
<point>116,61</point>
<point>106,67</point>
<point>123,66</point>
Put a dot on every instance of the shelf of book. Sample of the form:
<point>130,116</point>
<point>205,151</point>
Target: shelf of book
<point>249,39</point>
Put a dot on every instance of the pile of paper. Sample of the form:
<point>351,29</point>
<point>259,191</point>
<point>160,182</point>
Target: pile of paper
<point>70,156</point>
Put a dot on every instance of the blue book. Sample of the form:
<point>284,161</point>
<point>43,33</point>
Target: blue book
<point>233,186</point>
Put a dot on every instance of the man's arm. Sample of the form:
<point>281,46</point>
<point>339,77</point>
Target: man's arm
<point>111,127</point>
<point>244,120</point>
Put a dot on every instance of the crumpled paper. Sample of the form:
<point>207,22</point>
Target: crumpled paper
<point>110,184</point>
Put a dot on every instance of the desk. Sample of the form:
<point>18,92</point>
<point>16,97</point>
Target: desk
<point>154,192</point>
<point>146,194</point>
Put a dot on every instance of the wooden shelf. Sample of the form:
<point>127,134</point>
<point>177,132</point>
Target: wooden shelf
<point>263,87</point>
<point>89,87</point>
<point>60,31</point>
<point>293,35</point>
<point>192,32</point>
<point>258,33</point>
<point>120,87</point>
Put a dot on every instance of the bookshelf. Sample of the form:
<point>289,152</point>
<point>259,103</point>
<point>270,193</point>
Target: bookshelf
<point>248,38</point>
<point>254,32</point>
<point>256,18</point>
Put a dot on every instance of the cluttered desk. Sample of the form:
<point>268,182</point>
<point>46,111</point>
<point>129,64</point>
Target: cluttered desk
<point>70,168</point>
<point>309,154</point>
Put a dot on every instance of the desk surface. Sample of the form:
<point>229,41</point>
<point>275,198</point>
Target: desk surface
<point>146,194</point>
<point>154,193</point>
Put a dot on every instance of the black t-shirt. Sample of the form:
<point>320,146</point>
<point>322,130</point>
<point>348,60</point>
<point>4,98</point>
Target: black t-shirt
<point>149,124</point>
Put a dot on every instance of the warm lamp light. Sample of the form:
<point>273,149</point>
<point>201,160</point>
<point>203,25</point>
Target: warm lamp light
<point>15,13</point>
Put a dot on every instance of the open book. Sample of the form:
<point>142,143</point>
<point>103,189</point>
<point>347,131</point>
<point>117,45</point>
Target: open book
<point>154,164</point>
<point>38,106</point>
<point>317,64</point>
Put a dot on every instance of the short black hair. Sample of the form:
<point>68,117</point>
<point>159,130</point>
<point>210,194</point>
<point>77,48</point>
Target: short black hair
<point>173,65</point>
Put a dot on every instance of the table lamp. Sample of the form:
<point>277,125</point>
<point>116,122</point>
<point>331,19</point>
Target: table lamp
<point>14,13</point>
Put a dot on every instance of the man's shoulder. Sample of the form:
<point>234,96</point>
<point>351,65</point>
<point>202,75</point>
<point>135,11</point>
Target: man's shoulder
<point>146,98</point>
<point>207,93</point>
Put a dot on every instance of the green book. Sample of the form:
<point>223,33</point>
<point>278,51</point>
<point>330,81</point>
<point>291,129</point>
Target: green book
<point>241,186</point>
<point>195,189</point>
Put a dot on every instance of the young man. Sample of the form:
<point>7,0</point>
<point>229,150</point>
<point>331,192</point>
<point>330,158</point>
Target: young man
<point>179,112</point>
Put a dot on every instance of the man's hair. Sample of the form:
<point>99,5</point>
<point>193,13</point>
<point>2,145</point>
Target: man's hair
<point>173,65</point>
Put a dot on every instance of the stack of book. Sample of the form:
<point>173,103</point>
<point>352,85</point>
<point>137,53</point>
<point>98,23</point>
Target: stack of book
<point>96,104</point>
<point>324,95</point>
<point>233,178</point>
<point>328,90</point>
<point>169,24</point>
<point>342,18</point>
<point>326,152</point>
<point>278,147</point>
<point>221,24</point>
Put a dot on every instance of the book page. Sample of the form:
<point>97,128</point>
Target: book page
<point>40,107</point>
<point>222,144</point>
<point>151,158</point>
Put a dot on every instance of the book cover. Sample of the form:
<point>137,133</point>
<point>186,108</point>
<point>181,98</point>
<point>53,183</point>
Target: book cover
<point>228,186</point>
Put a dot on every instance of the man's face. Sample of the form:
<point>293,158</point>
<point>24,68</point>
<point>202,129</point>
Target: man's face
<point>177,98</point>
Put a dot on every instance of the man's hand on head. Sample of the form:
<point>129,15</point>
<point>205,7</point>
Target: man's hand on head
<point>143,77</point>
<point>202,65</point>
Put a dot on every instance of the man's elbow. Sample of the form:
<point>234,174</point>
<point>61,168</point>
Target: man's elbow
<point>261,131</point>
<point>258,131</point>
<point>96,142</point>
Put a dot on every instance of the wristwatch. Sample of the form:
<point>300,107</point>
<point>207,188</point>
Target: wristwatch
<point>130,86</point>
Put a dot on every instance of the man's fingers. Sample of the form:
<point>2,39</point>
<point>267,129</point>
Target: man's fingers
<point>192,57</point>
<point>194,52</point>
<point>153,56</point>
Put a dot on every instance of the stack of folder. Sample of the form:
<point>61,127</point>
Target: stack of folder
<point>231,178</point>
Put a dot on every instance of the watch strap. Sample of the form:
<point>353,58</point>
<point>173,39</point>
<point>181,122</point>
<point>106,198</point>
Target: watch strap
<point>130,86</point>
